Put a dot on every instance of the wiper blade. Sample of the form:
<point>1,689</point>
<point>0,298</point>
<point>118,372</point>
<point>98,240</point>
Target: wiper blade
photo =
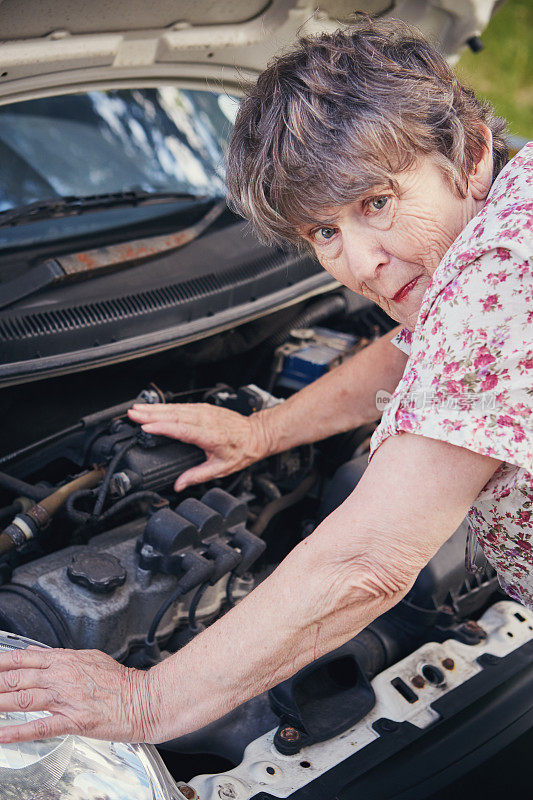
<point>103,259</point>
<point>73,206</point>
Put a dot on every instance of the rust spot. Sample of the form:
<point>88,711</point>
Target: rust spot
<point>418,681</point>
<point>289,734</point>
<point>448,663</point>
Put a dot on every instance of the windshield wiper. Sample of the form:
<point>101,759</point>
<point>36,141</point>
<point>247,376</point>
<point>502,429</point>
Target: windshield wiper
<point>103,259</point>
<point>73,206</point>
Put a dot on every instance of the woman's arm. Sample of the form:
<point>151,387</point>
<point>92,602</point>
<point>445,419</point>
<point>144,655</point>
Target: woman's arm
<point>357,564</point>
<point>338,401</point>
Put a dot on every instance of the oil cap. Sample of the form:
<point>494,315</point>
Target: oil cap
<point>101,573</point>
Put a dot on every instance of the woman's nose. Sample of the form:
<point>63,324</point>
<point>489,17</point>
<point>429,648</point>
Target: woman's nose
<point>365,257</point>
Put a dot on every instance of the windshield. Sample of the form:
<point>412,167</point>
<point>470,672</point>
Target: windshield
<point>155,140</point>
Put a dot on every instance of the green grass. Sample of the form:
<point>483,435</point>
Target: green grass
<point>503,71</point>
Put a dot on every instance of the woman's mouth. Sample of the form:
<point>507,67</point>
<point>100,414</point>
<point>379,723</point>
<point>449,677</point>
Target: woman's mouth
<point>402,293</point>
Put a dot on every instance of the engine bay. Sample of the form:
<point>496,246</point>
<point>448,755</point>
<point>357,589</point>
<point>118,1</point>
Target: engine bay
<point>98,551</point>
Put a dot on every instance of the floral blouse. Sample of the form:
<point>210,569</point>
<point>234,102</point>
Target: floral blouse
<point>469,377</point>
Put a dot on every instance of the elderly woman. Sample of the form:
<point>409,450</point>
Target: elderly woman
<point>365,146</point>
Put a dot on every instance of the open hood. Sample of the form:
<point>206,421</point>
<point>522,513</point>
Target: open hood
<point>99,100</point>
<point>65,46</point>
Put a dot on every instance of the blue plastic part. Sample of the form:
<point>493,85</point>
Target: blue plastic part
<point>314,358</point>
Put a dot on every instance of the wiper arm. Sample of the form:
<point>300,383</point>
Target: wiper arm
<point>73,206</point>
<point>102,259</point>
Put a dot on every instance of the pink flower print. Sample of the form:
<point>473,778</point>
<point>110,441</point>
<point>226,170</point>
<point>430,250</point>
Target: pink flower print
<point>505,419</point>
<point>453,366</point>
<point>452,425</point>
<point>454,387</point>
<point>524,516</point>
<point>438,358</point>
<point>490,302</point>
<point>527,362</point>
<point>489,383</point>
<point>484,356</point>
<point>448,293</point>
<point>503,255</point>
<point>405,420</point>
<point>518,435</point>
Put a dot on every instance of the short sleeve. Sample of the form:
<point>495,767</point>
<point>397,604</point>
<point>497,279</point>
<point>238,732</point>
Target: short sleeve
<point>469,378</point>
<point>403,340</point>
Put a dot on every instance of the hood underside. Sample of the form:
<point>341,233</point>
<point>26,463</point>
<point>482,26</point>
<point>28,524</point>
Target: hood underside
<point>64,46</point>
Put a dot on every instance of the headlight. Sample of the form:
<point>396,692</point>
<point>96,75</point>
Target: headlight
<point>76,768</point>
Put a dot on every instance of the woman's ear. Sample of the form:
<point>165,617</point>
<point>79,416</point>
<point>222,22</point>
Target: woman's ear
<point>480,178</point>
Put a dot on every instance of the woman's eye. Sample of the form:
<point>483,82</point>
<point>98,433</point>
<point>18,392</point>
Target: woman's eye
<point>324,233</point>
<point>377,203</point>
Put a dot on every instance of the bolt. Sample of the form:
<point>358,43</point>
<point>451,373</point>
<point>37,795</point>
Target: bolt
<point>418,681</point>
<point>289,734</point>
<point>448,663</point>
<point>187,791</point>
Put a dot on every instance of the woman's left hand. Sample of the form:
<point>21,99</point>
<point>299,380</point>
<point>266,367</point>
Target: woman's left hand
<point>86,692</point>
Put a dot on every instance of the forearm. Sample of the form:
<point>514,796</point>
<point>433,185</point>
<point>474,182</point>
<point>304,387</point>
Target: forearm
<point>339,401</point>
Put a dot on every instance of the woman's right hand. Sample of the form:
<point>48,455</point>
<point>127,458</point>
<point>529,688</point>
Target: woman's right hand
<point>230,440</point>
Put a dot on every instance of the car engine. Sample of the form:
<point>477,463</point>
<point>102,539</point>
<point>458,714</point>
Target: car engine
<point>97,550</point>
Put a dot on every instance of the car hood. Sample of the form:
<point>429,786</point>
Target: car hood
<point>227,278</point>
<point>65,46</point>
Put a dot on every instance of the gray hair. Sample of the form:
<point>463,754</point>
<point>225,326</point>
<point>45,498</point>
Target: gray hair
<point>340,115</point>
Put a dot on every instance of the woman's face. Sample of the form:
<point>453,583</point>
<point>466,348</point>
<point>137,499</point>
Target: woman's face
<point>387,246</point>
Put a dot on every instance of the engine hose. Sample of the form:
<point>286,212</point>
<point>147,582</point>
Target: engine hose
<point>8,512</point>
<point>88,480</point>
<point>27,525</point>
<point>194,606</point>
<point>282,503</point>
<point>22,488</point>
<point>318,312</point>
<point>150,497</point>
<point>102,493</point>
<point>229,590</point>
<point>83,517</point>
<point>75,514</point>
<point>268,487</point>
<point>171,599</point>
<point>29,449</point>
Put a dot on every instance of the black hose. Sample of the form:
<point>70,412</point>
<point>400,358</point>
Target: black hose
<point>229,590</point>
<point>104,488</point>
<point>22,488</point>
<point>282,503</point>
<point>10,511</point>
<point>73,513</point>
<point>171,599</point>
<point>83,517</point>
<point>31,448</point>
<point>194,606</point>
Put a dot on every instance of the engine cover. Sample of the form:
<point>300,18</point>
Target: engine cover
<point>43,602</point>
